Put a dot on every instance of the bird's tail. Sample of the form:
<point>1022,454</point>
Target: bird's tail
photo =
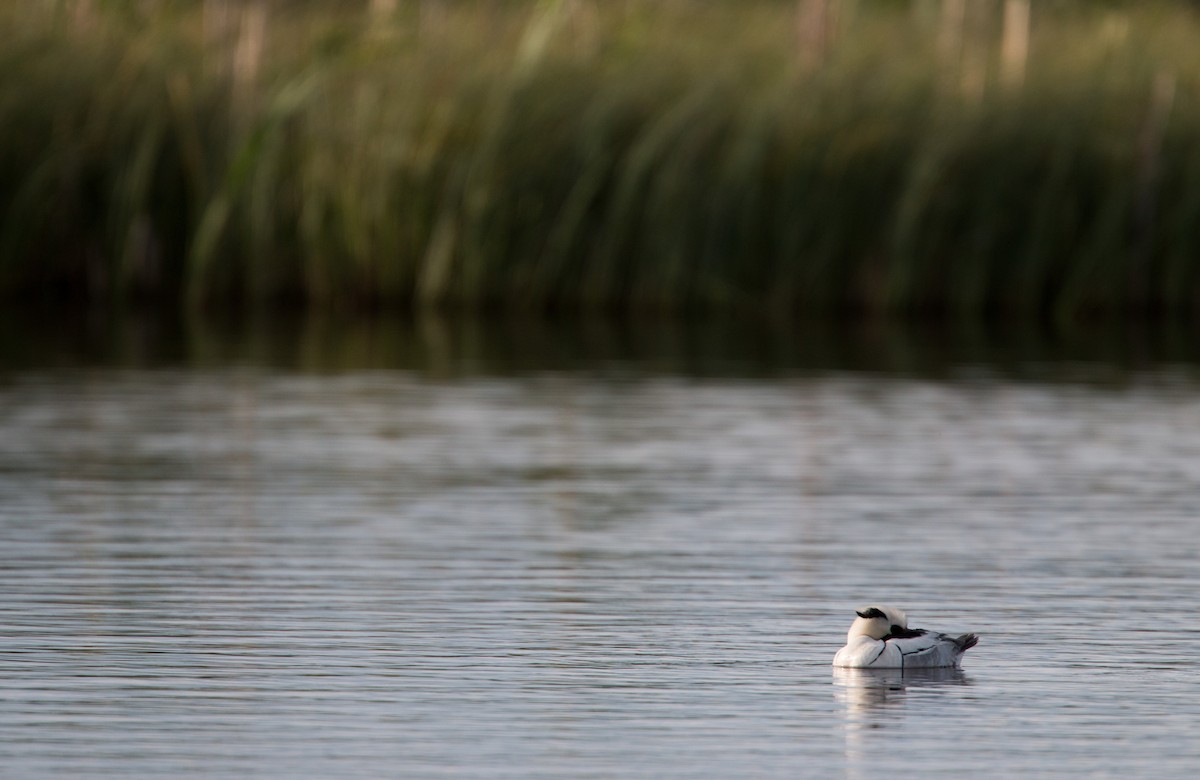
<point>966,642</point>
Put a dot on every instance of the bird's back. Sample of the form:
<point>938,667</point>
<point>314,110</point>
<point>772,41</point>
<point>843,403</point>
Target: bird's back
<point>932,650</point>
<point>925,651</point>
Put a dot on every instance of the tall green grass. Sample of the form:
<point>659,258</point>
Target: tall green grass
<point>587,155</point>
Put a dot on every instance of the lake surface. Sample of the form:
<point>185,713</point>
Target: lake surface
<point>539,552</point>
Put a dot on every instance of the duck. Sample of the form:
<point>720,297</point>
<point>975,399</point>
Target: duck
<point>879,638</point>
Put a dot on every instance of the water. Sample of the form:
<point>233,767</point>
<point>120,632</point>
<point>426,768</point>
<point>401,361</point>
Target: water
<point>415,560</point>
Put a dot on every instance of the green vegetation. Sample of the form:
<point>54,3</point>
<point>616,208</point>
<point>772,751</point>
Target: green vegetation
<point>793,158</point>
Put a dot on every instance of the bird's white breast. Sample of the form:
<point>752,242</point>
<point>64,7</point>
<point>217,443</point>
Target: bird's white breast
<point>863,652</point>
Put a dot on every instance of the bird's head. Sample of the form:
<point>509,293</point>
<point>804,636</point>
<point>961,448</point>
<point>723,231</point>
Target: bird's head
<point>877,622</point>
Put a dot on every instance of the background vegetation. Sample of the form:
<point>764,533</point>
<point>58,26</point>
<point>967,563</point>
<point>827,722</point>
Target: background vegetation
<point>969,158</point>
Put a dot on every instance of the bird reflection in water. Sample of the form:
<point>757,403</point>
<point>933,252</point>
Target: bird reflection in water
<point>873,698</point>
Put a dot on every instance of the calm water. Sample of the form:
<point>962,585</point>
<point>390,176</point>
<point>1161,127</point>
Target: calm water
<point>414,560</point>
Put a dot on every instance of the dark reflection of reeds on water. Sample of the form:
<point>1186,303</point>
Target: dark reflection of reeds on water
<point>449,345</point>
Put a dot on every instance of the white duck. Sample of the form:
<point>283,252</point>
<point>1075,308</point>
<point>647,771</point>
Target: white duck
<point>880,638</point>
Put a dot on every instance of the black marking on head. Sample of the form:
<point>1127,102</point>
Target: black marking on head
<point>897,632</point>
<point>873,612</point>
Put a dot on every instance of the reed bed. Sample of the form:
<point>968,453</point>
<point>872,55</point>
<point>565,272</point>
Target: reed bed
<point>796,158</point>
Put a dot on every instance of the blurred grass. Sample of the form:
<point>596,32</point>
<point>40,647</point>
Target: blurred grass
<point>570,155</point>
